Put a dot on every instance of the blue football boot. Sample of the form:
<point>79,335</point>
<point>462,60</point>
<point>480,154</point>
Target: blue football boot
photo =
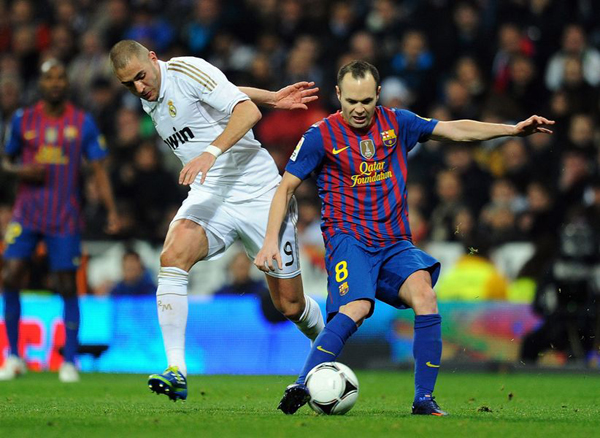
<point>295,396</point>
<point>171,383</point>
<point>427,406</point>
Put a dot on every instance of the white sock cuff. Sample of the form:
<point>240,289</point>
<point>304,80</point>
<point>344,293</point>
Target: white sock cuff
<point>307,309</point>
<point>172,276</point>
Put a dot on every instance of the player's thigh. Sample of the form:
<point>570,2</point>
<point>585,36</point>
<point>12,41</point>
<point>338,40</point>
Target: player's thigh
<point>351,273</point>
<point>251,224</point>
<point>408,263</point>
<point>20,242</point>
<point>185,244</point>
<point>202,229</point>
<point>20,245</point>
<point>64,252</point>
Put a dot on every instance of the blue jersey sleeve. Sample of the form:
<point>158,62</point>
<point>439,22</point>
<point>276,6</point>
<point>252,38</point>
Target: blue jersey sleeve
<point>308,155</point>
<point>94,145</point>
<point>413,128</point>
<point>14,137</point>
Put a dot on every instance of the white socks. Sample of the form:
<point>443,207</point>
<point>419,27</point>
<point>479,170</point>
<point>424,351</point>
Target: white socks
<point>172,306</point>
<point>311,321</point>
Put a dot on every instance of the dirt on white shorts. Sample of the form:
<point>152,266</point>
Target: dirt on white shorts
<point>226,221</point>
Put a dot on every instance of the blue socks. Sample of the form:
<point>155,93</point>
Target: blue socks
<point>12,316</point>
<point>71,318</point>
<point>427,351</point>
<point>329,343</point>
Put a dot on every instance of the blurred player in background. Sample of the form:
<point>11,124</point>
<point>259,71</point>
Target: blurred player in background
<point>207,122</point>
<point>46,148</point>
<point>360,155</point>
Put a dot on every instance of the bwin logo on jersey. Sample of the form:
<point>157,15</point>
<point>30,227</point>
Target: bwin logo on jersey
<point>180,137</point>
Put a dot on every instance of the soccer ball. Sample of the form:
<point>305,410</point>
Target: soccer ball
<point>333,388</point>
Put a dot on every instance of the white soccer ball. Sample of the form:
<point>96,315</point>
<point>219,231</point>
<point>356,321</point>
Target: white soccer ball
<point>333,388</point>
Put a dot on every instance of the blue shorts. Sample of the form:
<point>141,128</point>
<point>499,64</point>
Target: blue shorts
<point>64,251</point>
<point>358,272</point>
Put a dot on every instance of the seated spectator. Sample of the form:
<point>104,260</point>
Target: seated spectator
<point>473,277</point>
<point>137,280</point>
<point>574,43</point>
<point>240,283</point>
<point>239,280</point>
<point>450,200</point>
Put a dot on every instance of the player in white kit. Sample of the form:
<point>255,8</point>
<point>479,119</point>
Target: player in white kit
<point>207,122</point>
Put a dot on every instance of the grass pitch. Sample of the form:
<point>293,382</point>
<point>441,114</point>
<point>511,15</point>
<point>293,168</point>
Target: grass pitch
<point>481,405</point>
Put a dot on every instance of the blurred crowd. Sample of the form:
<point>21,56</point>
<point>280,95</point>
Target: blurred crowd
<point>490,60</point>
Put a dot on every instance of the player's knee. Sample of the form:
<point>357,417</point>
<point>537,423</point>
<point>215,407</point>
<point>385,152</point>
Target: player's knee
<point>174,257</point>
<point>12,278</point>
<point>66,285</point>
<point>357,310</point>
<point>425,300</point>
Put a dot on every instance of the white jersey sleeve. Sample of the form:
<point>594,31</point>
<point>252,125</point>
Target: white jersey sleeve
<point>207,83</point>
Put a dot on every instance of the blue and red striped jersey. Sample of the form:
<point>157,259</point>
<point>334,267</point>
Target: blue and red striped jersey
<point>361,175</point>
<point>59,144</point>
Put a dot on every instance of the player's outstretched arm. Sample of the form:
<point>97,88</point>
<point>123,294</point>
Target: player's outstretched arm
<point>244,116</point>
<point>471,130</point>
<point>295,96</point>
<point>279,206</point>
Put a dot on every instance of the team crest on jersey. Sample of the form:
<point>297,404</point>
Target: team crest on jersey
<point>344,288</point>
<point>367,149</point>
<point>51,135</point>
<point>172,109</point>
<point>29,135</point>
<point>71,132</point>
<point>389,138</point>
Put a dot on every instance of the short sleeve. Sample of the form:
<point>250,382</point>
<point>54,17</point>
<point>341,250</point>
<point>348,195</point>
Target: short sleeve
<point>94,145</point>
<point>206,83</point>
<point>13,141</point>
<point>413,128</point>
<point>308,155</point>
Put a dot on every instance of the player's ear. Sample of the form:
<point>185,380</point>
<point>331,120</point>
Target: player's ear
<point>378,91</point>
<point>338,92</point>
<point>152,56</point>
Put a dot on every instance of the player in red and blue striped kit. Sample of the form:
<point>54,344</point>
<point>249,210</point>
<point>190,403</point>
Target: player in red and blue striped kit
<point>359,156</point>
<point>46,147</point>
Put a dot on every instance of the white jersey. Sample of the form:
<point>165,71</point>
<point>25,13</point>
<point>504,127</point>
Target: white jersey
<point>194,105</point>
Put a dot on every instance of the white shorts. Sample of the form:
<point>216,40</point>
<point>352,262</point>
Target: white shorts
<point>225,222</point>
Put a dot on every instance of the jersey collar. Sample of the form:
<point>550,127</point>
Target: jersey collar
<point>163,79</point>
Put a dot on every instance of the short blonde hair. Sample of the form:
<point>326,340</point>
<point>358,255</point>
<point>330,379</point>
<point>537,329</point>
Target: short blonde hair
<point>122,53</point>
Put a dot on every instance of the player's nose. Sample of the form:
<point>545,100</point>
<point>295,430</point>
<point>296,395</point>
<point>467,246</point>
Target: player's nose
<point>139,87</point>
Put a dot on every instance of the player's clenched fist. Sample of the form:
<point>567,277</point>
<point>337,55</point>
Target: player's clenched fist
<point>266,255</point>
<point>200,164</point>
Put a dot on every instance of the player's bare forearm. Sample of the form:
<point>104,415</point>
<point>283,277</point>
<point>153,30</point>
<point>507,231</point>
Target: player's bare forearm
<point>106,194</point>
<point>279,207</point>
<point>245,115</point>
<point>471,130</point>
<point>290,97</point>
<point>29,173</point>
<point>259,96</point>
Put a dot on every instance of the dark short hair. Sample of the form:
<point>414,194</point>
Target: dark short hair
<point>358,69</point>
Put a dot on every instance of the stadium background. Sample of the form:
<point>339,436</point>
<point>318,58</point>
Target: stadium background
<point>514,221</point>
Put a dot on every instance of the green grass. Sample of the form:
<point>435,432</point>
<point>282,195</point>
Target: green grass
<point>106,405</point>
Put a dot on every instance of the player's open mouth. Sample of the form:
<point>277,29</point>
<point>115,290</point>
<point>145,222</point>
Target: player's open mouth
<point>360,119</point>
